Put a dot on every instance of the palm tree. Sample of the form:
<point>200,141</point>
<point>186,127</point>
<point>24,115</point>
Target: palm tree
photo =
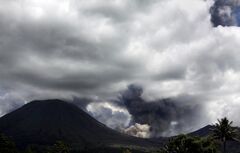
<point>189,144</point>
<point>224,131</point>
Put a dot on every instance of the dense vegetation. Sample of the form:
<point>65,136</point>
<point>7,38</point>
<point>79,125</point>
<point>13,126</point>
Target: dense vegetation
<point>189,144</point>
<point>7,145</point>
<point>222,131</point>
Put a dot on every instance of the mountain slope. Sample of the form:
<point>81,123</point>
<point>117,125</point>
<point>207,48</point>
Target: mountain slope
<point>233,146</point>
<point>45,122</point>
<point>203,132</point>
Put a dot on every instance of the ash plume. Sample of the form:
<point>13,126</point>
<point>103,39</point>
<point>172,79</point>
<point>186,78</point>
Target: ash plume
<point>164,116</point>
<point>138,130</point>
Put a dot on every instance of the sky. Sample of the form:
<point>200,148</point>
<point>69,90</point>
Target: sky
<point>144,67</point>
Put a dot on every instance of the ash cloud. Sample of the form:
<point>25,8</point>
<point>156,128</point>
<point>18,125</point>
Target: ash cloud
<point>225,13</point>
<point>165,117</point>
<point>138,130</point>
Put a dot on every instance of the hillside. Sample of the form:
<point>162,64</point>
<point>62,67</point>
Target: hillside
<point>45,122</point>
<point>233,146</point>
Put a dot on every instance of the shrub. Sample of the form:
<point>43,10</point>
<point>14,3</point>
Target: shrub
<point>188,144</point>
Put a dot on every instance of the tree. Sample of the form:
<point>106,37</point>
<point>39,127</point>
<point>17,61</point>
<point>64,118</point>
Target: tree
<point>126,151</point>
<point>224,131</point>
<point>188,144</point>
<point>7,145</point>
<point>59,147</point>
<point>29,149</point>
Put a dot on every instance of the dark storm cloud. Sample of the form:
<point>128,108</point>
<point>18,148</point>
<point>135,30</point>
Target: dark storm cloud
<point>83,54</point>
<point>43,53</point>
<point>164,116</point>
<point>94,49</point>
<point>225,13</point>
<point>82,102</point>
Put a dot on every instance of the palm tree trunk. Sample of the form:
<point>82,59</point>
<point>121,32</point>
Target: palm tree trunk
<point>224,146</point>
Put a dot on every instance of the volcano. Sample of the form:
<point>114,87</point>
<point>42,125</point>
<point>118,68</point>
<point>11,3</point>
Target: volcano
<point>47,121</point>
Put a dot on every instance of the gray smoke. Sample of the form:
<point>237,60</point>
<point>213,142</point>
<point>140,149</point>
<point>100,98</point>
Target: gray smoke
<point>164,116</point>
<point>225,13</point>
<point>82,102</point>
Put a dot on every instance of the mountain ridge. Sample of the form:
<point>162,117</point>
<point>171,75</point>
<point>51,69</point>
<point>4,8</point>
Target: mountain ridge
<point>44,122</point>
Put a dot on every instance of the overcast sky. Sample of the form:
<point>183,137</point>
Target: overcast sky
<point>180,49</point>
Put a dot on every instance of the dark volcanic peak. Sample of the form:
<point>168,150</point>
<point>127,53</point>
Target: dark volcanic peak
<point>46,121</point>
<point>205,131</point>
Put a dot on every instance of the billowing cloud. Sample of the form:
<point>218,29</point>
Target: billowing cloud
<point>95,49</point>
<point>164,116</point>
<point>110,114</point>
<point>138,130</point>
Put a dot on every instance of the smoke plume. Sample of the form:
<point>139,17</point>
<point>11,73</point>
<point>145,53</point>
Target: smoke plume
<point>164,116</point>
<point>138,130</point>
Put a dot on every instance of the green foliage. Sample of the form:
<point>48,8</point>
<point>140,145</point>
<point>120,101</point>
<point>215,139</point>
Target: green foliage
<point>224,131</point>
<point>29,149</point>
<point>59,147</point>
<point>7,145</point>
<point>126,151</point>
<point>187,144</point>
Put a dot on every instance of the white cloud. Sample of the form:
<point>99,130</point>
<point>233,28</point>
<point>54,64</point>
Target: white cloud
<point>110,114</point>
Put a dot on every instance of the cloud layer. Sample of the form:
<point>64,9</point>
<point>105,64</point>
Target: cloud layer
<point>94,49</point>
